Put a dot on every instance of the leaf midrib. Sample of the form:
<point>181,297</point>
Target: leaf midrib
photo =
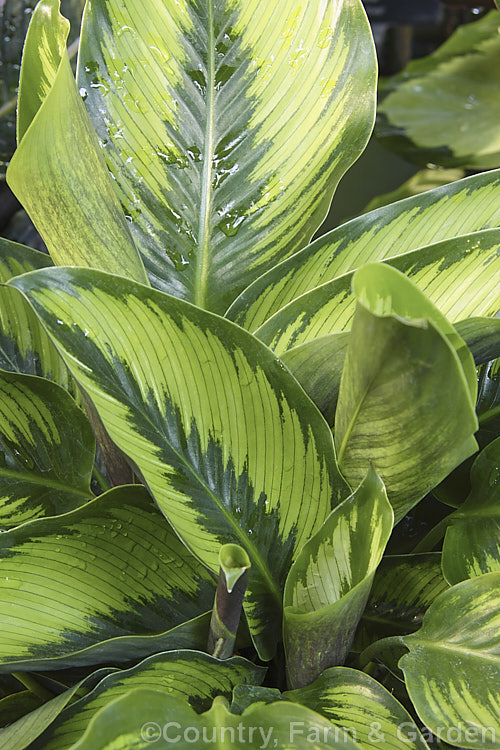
<point>52,483</point>
<point>200,281</point>
<point>454,648</point>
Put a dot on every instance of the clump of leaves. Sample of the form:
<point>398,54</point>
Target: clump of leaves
<point>193,396</point>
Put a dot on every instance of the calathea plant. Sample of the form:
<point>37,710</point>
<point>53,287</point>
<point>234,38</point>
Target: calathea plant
<point>264,410</point>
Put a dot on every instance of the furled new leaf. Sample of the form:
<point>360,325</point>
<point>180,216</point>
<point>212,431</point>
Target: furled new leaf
<point>355,702</point>
<point>453,667</point>
<point>472,542</point>
<point>457,127</point>
<point>46,449</point>
<point>117,584</point>
<point>464,207</point>
<point>230,446</point>
<point>58,171</point>
<point>329,583</point>
<point>193,676</point>
<point>227,126</point>
<point>408,388</point>
<point>120,723</point>
<point>460,276</point>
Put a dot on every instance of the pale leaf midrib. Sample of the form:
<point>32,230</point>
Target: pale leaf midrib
<point>200,281</point>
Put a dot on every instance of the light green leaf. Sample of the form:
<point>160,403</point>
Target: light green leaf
<point>472,542</point>
<point>115,579</point>
<point>16,705</point>
<point>464,207</point>
<point>230,446</point>
<point>227,127</point>
<point>47,450</point>
<point>482,336</point>
<point>458,125</point>
<point>58,171</point>
<point>195,677</point>
<point>20,734</point>
<point>426,179</point>
<point>120,726</point>
<point>318,365</point>
<point>460,276</point>
<point>453,668</point>
<point>403,589</point>
<point>16,259</point>
<point>407,376</point>
<point>329,583</point>
<point>367,711</point>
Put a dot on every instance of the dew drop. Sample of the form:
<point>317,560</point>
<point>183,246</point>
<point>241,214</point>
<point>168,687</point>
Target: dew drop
<point>83,93</point>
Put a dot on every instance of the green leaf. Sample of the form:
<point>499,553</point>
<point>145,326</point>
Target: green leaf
<point>352,700</point>
<point>230,446</point>
<point>195,677</point>
<point>426,179</point>
<point>407,376</point>
<point>452,669</point>
<point>403,589</point>
<point>460,276</point>
<point>16,259</point>
<point>25,730</point>
<point>122,723</point>
<point>488,400</point>
<point>329,583</point>
<point>58,172</point>
<point>318,365</point>
<point>472,542</point>
<point>234,562</point>
<point>482,336</point>
<point>46,447</point>
<point>457,127</point>
<point>464,207</point>
<point>227,127</point>
<point>115,579</point>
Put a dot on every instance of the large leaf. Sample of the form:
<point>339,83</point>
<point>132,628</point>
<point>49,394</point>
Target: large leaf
<point>403,589</point>
<point>329,583</point>
<point>58,171</point>
<point>452,670</point>
<point>461,208</point>
<point>457,127</point>
<point>472,542</point>
<point>229,444</point>
<point>46,450</point>
<point>354,701</point>
<point>16,259</point>
<point>460,276</point>
<point>191,675</point>
<point>407,394</point>
<point>227,126</point>
<point>278,725</point>
<point>115,579</point>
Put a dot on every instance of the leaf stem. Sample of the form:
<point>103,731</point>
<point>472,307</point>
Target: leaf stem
<point>433,536</point>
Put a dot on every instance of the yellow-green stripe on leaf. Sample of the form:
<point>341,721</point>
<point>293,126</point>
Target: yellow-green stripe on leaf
<point>227,126</point>
<point>407,376</point>
<point>46,446</point>
<point>58,171</point>
<point>109,582</point>
<point>464,207</point>
<point>229,444</point>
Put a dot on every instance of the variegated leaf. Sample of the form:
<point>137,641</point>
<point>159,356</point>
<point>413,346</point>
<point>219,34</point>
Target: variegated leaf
<point>227,441</point>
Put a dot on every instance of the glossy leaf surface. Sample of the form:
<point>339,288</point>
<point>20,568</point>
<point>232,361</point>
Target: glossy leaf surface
<point>230,446</point>
<point>227,126</point>
<point>58,172</point>
<point>461,208</point>
<point>459,276</point>
<point>46,450</point>
<point>452,669</point>
<point>115,579</point>
<point>407,375</point>
<point>457,127</point>
<point>193,676</point>
<point>329,583</point>
<point>356,702</point>
<point>119,724</point>
<point>472,542</point>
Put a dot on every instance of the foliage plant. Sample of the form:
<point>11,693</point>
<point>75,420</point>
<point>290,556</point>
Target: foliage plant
<point>230,454</point>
